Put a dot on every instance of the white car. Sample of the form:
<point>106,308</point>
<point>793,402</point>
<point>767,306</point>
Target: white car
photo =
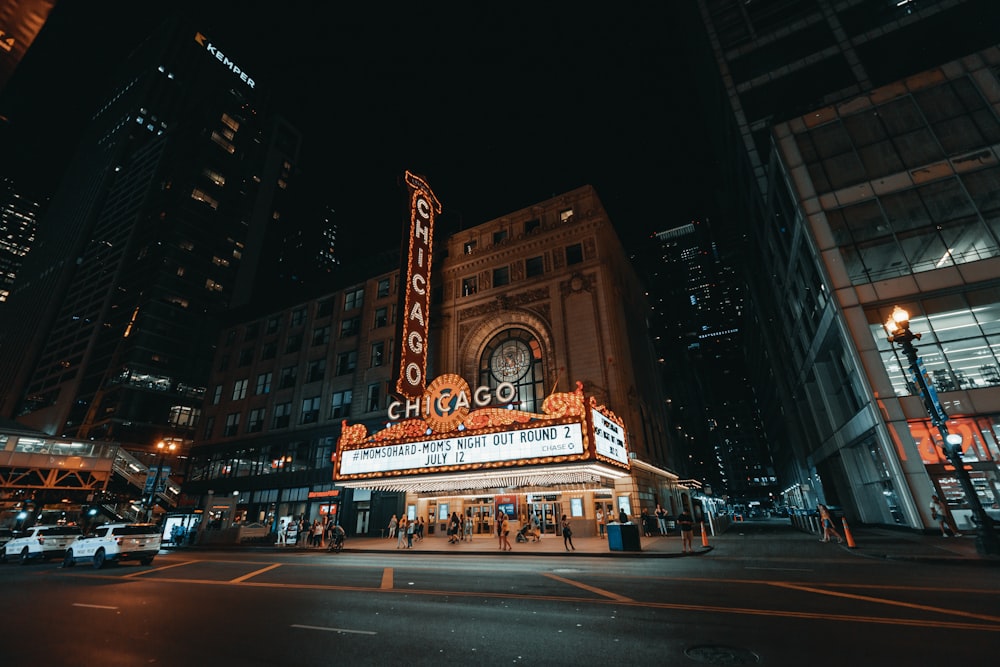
<point>40,542</point>
<point>115,542</point>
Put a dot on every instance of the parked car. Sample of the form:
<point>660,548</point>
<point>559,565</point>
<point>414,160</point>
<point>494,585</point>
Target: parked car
<point>40,542</point>
<point>6,535</point>
<point>115,542</point>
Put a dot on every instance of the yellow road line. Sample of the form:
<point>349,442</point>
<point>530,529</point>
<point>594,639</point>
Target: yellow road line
<point>592,589</point>
<point>894,603</point>
<point>386,579</point>
<point>139,573</point>
<point>931,624</point>
<point>245,577</point>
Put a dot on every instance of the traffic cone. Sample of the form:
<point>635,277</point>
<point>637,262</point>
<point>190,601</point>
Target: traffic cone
<point>847,535</point>
<point>704,535</point>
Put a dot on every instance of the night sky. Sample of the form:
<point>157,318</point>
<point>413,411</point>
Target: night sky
<point>497,107</point>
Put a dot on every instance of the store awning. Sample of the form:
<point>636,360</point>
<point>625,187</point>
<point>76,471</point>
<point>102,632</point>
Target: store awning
<point>540,476</point>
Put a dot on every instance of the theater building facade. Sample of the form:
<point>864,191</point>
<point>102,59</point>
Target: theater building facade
<point>525,382</point>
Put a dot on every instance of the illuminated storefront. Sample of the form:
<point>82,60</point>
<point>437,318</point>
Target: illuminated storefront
<point>452,456</point>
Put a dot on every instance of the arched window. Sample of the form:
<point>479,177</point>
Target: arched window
<point>515,356</point>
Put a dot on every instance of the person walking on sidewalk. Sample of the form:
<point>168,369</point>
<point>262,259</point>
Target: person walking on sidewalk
<point>504,533</point>
<point>686,523</point>
<point>401,533</point>
<point>826,520</point>
<point>940,514</point>
<point>567,532</point>
<point>600,522</point>
<point>661,519</point>
<point>393,522</point>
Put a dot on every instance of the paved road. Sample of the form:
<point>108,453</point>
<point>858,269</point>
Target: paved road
<point>766,594</point>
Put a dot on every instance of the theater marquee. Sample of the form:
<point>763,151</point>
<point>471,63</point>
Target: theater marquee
<point>450,435</point>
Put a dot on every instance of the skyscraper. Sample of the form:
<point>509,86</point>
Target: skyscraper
<point>154,232</point>
<point>18,225</point>
<point>856,140</point>
<point>698,316</point>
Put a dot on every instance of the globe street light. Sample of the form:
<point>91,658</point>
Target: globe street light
<point>898,329</point>
<point>163,448</point>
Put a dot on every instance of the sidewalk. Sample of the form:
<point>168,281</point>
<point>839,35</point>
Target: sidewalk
<point>773,537</point>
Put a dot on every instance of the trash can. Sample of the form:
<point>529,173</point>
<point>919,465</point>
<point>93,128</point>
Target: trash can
<point>623,537</point>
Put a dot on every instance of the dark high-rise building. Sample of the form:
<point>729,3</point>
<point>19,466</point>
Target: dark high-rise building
<point>18,225</point>
<point>154,231</point>
<point>697,316</point>
<point>859,170</point>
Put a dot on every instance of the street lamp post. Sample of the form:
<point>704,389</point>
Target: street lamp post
<point>898,329</point>
<point>163,448</point>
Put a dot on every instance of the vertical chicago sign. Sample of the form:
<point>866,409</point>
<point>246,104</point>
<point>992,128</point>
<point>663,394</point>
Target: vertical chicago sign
<point>411,373</point>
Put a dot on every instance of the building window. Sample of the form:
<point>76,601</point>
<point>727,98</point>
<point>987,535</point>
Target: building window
<point>532,225</point>
<point>255,423</point>
<point>269,350</point>
<point>287,377</point>
<point>534,266</point>
<point>340,404</point>
<point>183,416</point>
<point>354,299</point>
<point>282,415</point>
<point>469,247</point>
<point>566,215</point>
<point>317,369</point>
<point>515,356</point>
<point>378,353</point>
<point>346,362</point>
<point>374,394</point>
<point>293,344</point>
<point>246,356</point>
<point>381,317</point>
<point>324,308</point>
<point>469,286</point>
<point>272,325</point>
<point>263,383</point>
<point>298,317</point>
<point>383,287</point>
<point>499,237</point>
<point>350,327</point>
<point>501,276</point>
<point>209,427</point>
<point>240,390</point>
<point>252,331</point>
<point>321,335</point>
<point>310,410</point>
<point>217,394</point>
<point>232,424</point>
<point>574,254</point>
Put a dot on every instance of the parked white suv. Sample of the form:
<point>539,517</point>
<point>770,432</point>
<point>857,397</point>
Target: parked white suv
<point>40,542</point>
<point>115,542</point>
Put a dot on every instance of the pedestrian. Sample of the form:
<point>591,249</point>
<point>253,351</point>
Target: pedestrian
<point>401,533</point>
<point>420,528</point>
<point>622,517</point>
<point>600,522</point>
<point>647,523</point>
<point>536,529</point>
<point>686,523</point>
<point>453,527</point>
<point>940,514</point>
<point>567,532</point>
<point>303,539</point>
<point>282,536</point>
<point>393,522</point>
<point>468,524</point>
<point>661,519</point>
<point>500,518</point>
<point>504,533</point>
<point>826,521</point>
<point>317,533</point>
<point>411,528</point>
